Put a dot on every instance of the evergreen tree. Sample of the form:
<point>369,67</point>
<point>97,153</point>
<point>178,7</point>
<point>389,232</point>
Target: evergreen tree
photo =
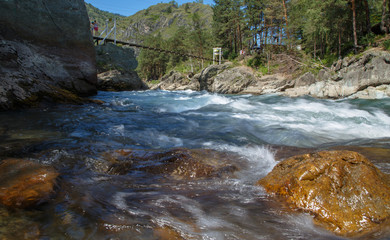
<point>152,64</point>
<point>228,24</point>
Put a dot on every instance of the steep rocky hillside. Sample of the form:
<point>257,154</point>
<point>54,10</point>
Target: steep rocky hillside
<point>162,17</point>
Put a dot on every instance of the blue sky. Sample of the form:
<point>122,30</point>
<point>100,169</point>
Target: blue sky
<point>130,7</point>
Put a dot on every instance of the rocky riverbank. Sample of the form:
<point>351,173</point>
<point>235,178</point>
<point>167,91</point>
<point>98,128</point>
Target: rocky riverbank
<point>43,56</point>
<point>366,76</point>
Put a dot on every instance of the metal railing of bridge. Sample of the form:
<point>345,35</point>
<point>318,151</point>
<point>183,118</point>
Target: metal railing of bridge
<point>103,39</point>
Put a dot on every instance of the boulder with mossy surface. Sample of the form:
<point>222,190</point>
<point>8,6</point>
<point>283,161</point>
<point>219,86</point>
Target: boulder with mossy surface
<point>343,190</point>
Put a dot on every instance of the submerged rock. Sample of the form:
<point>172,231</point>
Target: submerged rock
<point>25,183</point>
<point>345,192</point>
<point>177,163</point>
<point>167,233</point>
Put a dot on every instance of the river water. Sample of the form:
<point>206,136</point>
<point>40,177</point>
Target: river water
<point>257,131</point>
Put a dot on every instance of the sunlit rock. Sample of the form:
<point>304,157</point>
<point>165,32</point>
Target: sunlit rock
<point>25,183</point>
<point>177,163</point>
<point>344,191</point>
<point>167,233</point>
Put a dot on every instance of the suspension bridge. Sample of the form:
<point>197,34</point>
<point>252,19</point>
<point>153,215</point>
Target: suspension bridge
<point>101,39</point>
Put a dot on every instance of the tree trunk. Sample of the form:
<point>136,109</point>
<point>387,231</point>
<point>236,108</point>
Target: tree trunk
<point>285,17</point>
<point>315,47</point>
<point>355,44</point>
<point>368,22</point>
<point>339,44</point>
<point>384,20</point>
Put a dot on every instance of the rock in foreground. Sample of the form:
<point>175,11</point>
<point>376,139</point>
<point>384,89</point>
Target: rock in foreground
<point>24,183</point>
<point>345,192</point>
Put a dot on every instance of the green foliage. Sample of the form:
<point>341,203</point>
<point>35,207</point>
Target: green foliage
<point>186,7</point>
<point>368,39</point>
<point>169,10</point>
<point>100,16</point>
<point>256,61</point>
<point>153,64</point>
<point>386,44</point>
<point>232,56</point>
<point>329,59</point>
<point>263,69</point>
<point>154,82</point>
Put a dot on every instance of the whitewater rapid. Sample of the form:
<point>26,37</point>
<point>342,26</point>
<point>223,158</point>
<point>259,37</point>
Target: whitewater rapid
<point>254,131</point>
<point>247,119</point>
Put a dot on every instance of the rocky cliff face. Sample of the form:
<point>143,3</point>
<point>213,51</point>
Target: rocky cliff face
<point>351,77</point>
<point>46,52</point>
<point>116,69</point>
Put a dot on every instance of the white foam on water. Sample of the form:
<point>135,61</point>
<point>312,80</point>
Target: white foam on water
<point>259,159</point>
<point>243,105</point>
<point>188,102</point>
<point>119,200</point>
<point>169,141</point>
<point>242,116</point>
<point>123,102</point>
<point>326,121</point>
<point>118,130</point>
<point>208,224</point>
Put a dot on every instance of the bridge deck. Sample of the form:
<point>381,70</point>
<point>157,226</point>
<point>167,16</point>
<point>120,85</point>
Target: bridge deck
<point>97,39</point>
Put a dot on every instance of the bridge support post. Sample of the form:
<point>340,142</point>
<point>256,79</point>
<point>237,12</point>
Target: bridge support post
<point>217,52</point>
<point>115,31</point>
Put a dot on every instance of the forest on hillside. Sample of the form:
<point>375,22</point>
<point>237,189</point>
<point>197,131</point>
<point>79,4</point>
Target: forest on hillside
<point>321,27</point>
<point>325,29</point>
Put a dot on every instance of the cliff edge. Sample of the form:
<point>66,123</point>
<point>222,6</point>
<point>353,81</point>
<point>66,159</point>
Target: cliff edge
<point>46,53</point>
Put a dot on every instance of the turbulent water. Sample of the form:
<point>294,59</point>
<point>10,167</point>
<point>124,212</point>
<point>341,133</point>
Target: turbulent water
<point>92,204</point>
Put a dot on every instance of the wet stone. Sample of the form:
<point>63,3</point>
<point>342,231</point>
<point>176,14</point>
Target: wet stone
<point>17,225</point>
<point>344,191</point>
<point>177,163</point>
<point>25,183</point>
<point>167,233</point>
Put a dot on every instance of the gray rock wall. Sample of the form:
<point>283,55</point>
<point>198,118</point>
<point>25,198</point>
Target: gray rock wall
<point>350,76</point>
<point>46,50</point>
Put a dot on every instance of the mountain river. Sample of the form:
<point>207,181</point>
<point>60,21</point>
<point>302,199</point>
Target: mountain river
<point>254,133</point>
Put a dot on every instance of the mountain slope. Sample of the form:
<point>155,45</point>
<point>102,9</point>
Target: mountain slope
<point>162,17</point>
<point>100,16</point>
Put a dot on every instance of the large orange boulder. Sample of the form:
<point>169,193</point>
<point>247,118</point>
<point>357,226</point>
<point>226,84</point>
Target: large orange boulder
<point>25,183</point>
<point>344,191</point>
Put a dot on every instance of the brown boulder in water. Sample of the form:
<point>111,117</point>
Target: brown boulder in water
<point>25,183</point>
<point>178,163</point>
<point>345,192</point>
